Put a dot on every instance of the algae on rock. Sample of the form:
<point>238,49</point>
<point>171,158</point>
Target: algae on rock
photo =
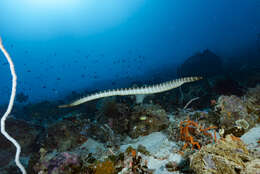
<point>229,155</point>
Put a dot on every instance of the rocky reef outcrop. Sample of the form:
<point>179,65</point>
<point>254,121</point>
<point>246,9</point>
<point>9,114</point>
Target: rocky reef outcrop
<point>204,64</point>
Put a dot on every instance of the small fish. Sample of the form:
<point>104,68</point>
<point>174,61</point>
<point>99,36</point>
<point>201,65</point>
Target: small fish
<point>142,118</point>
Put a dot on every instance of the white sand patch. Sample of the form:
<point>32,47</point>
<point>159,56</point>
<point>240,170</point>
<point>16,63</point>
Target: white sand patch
<point>161,150</point>
<point>251,137</point>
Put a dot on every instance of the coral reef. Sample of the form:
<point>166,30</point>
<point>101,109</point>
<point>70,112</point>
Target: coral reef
<point>117,116</point>
<point>193,129</point>
<point>105,167</point>
<point>228,155</point>
<point>42,113</point>
<point>135,164</point>
<point>146,119</point>
<point>133,121</point>
<point>233,115</point>
<point>64,162</point>
<point>189,129</point>
<point>252,98</point>
<point>25,133</point>
<point>156,151</point>
<point>64,135</point>
<point>159,135</point>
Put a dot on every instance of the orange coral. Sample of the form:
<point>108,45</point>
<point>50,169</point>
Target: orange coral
<point>188,126</point>
<point>133,153</point>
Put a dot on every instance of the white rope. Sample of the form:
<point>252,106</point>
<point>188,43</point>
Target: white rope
<point>9,108</point>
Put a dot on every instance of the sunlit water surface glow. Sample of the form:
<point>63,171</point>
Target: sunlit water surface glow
<point>49,17</point>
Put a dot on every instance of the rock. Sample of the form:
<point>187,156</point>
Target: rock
<point>26,136</point>
<point>92,146</point>
<point>253,167</point>
<point>253,100</point>
<point>234,116</point>
<point>64,162</point>
<point>204,64</point>
<point>146,119</point>
<point>64,135</point>
<point>251,139</point>
<point>229,155</point>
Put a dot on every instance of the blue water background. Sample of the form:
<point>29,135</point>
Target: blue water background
<point>63,46</point>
